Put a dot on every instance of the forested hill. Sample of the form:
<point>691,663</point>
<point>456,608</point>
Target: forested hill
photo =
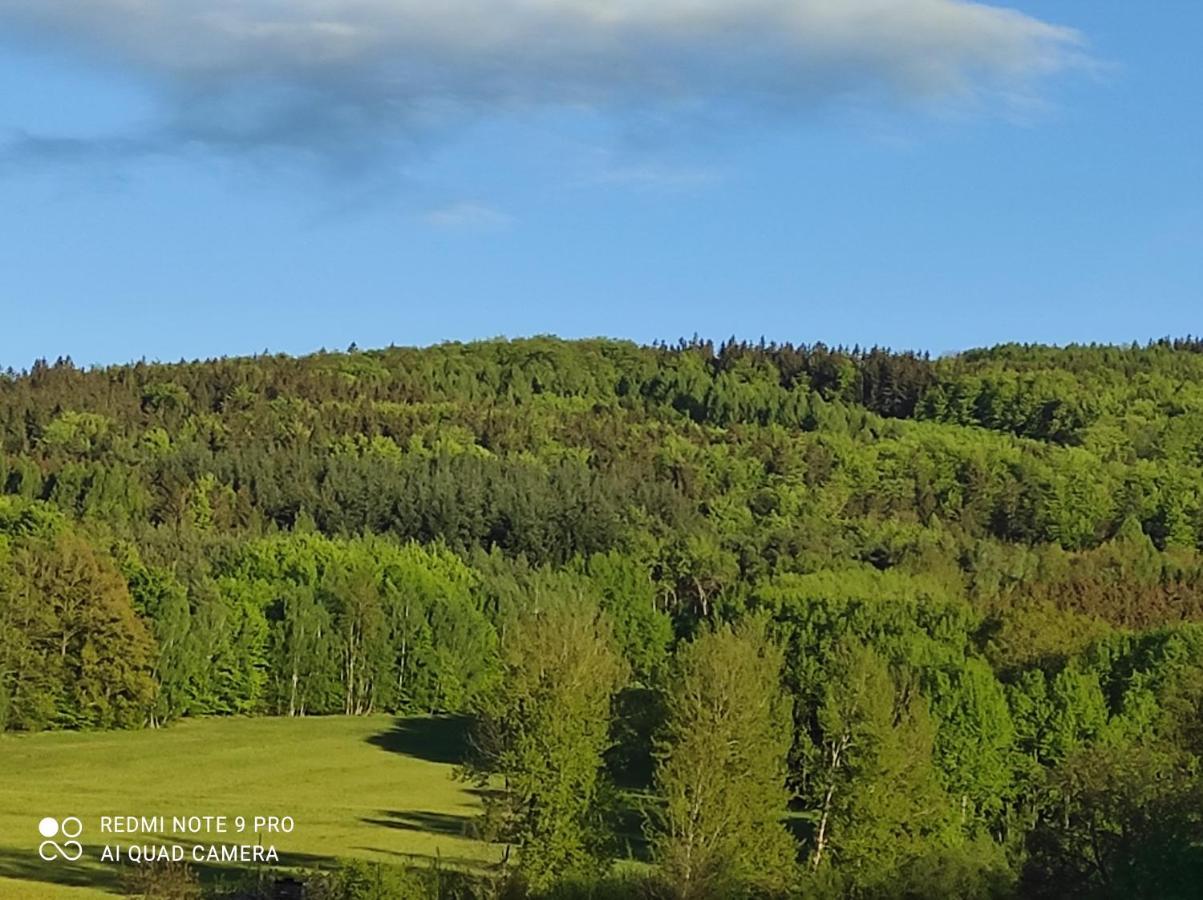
<point>552,448</point>
<point>1005,541</point>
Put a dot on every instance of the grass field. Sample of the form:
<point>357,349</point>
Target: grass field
<point>378,788</point>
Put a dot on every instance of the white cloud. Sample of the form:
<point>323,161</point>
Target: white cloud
<point>332,76</point>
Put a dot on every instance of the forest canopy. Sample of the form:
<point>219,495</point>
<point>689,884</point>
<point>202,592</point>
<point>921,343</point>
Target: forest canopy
<point>963,596</point>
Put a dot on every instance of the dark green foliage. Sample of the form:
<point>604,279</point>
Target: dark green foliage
<point>73,653</point>
<point>162,881</point>
<point>1118,821</point>
<point>356,880</point>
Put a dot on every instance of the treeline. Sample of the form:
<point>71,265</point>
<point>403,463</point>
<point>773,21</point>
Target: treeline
<point>837,622</point>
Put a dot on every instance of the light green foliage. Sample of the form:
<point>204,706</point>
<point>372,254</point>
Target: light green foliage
<point>627,595</point>
<point>543,731</point>
<point>357,626</point>
<point>721,772</point>
<point>872,788</point>
<point>77,434</point>
<point>975,742</point>
<point>162,601</point>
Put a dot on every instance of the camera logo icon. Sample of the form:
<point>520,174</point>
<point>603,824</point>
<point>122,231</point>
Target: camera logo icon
<point>70,849</point>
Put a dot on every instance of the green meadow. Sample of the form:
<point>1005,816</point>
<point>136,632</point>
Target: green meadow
<point>377,788</point>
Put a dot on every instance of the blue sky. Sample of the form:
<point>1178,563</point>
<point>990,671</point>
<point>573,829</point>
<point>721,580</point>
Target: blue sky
<point>188,179</point>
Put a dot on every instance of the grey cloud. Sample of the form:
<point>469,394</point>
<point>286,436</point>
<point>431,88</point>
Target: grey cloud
<point>342,79</point>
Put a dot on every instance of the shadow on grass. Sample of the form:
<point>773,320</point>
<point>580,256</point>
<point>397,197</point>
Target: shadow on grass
<point>422,820</point>
<point>88,872</point>
<point>486,794</point>
<point>440,739</point>
<point>428,860</point>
